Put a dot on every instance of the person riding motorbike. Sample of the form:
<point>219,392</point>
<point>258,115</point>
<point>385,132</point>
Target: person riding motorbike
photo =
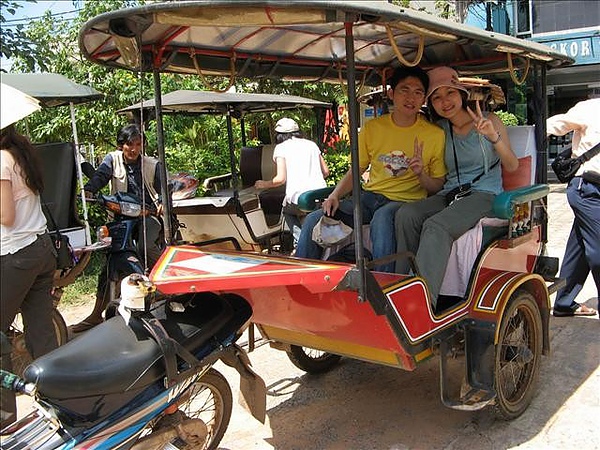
<point>127,170</point>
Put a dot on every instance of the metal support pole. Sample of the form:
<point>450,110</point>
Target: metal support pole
<point>234,174</point>
<point>243,127</point>
<point>356,186</point>
<point>160,143</point>
<point>541,137</point>
<point>88,237</point>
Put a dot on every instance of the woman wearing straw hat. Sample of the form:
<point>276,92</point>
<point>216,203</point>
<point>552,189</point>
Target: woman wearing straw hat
<point>27,260</point>
<point>477,145</point>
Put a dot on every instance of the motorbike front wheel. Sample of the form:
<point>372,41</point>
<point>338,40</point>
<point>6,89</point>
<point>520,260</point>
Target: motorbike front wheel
<point>20,356</point>
<point>210,400</point>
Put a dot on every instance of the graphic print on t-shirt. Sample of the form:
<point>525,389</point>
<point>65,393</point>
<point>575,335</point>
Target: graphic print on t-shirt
<point>395,163</point>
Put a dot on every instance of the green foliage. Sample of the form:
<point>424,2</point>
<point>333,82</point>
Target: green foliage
<point>56,41</point>
<point>337,158</point>
<point>507,118</point>
<point>403,3</point>
<point>14,41</point>
<point>97,216</point>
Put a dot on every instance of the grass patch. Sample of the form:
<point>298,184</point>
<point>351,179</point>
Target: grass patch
<point>84,287</point>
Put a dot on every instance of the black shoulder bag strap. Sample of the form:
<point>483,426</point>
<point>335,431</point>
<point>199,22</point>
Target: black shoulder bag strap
<point>589,154</point>
<point>455,157</point>
<point>474,180</point>
<point>57,241</point>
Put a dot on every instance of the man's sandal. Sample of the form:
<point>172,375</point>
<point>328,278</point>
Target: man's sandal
<point>582,310</point>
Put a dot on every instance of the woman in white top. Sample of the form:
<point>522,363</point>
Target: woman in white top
<point>300,166</point>
<point>27,256</point>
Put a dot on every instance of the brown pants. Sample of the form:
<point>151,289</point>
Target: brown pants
<point>26,284</point>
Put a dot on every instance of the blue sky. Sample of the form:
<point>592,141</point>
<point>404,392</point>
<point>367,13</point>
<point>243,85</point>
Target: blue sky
<point>30,11</point>
<point>34,10</point>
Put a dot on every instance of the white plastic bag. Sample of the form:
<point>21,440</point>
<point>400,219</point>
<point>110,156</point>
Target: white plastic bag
<point>329,231</point>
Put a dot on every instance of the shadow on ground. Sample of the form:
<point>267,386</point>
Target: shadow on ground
<point>360,405</point>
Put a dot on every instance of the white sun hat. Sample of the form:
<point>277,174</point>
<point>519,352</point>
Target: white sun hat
<point>16,105</point>
<point>286,125</point>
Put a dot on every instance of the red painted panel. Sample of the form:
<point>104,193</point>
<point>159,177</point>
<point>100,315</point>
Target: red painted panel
<point>412,306</point>
<point>335,315</point>
<point>188,269</point>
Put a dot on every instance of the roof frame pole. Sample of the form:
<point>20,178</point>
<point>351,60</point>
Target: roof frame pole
<point>88,237</point>
<point>243,127</point>
<point>231,145</point>
<point>540,90</point>
<point>160,144</point>
<point>356,187</point>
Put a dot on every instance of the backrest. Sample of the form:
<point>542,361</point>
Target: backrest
<point>256,163</point>
<point>522,140</point>
<point>268,166</point>
<point>250,165</point>
<point>60,183</point>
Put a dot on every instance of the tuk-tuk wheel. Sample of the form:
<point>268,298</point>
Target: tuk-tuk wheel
<point>518,355</point>
<point>311,360</point>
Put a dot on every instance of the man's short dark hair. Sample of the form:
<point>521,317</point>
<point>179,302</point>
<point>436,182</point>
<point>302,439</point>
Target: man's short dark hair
<point>404,72</point>
<point>128,134</point>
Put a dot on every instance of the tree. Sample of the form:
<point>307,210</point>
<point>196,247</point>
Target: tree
<point>192,144</point>
<point>14,42</point>
<point>56,43</point>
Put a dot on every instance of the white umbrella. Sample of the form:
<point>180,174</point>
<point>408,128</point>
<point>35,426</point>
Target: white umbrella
<point>15,105</point>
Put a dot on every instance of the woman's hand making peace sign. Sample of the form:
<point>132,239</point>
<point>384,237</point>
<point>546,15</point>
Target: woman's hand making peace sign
<point>483,125</point>
<point>492,128</point>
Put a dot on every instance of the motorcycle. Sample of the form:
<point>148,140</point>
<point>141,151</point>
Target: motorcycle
<point>124,237</point>
<point>140,380</point>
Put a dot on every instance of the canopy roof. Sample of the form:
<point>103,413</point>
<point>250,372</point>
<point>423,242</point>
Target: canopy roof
<point>51,89</point>
<point>299,40</point>
<point>239,104</point>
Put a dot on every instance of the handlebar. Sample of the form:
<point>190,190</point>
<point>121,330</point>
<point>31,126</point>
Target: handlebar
<point>15,383</point>
<point>125,204</point>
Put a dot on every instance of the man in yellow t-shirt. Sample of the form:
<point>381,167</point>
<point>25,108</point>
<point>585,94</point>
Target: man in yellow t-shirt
<point>405,154</point>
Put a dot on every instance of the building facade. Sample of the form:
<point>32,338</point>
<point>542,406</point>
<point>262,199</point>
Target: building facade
<point>571,27</point>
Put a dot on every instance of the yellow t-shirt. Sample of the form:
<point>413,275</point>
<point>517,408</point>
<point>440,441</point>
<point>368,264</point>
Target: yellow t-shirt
<point>387,148</point>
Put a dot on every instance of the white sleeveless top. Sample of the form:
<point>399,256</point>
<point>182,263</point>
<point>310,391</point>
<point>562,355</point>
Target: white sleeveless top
<point>29,218</point>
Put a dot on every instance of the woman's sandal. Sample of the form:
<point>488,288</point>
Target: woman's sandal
<point>582,310</point>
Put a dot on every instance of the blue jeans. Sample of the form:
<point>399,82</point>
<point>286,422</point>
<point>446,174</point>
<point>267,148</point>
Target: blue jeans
<point>377,210</point>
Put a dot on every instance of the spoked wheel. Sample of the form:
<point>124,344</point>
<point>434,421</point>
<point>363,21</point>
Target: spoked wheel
<point>208,402</point>
<point>311,360</point>
<point>518,355</point>
<point>21,357</point>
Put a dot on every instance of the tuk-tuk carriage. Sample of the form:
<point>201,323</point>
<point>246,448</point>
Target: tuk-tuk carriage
<point>231,207</point>
<point>346,309</point>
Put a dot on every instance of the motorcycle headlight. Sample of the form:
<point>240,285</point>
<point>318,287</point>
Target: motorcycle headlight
<point>130,209</point>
